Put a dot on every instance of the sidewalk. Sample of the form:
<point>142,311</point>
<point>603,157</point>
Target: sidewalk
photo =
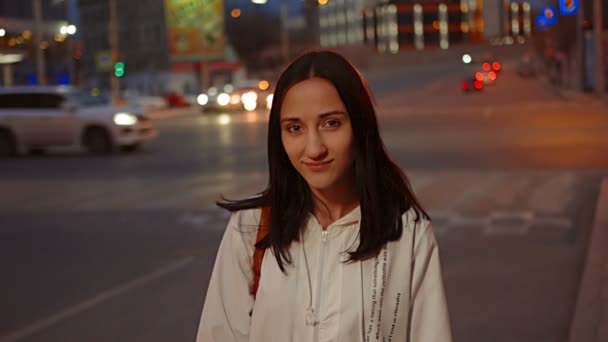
<point>580,96</point>
<point>590,321</point>
<point>572,95</point>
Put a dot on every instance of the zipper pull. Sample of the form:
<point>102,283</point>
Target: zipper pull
<point>324,236</point>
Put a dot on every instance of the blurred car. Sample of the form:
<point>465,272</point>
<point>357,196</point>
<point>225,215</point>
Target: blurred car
<point>246,95</point>
<point>33,118</point>
<point>146,102</point>
<point>471,84</point>
<point>219,99</point>
<point>175,100</point>
<point>491,66</point>
<point>487,77</point>
<point>254,94</point>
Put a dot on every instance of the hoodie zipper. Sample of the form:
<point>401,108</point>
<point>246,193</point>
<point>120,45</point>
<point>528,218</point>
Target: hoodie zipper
<point>320,283</point>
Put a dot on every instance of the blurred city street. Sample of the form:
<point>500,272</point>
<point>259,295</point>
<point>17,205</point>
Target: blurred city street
<point>120,248</point>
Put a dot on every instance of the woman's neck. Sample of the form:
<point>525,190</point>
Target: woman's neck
<point>330,206</point>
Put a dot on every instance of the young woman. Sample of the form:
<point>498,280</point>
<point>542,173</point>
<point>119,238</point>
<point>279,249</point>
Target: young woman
<point>349,253</point>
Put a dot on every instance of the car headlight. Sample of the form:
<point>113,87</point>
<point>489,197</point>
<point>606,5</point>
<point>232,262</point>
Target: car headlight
<point>124,119</point>
<point>202,99</point>
<point>269,101</point>
<point>223,99</point>
<point>249,96</point>
<point>250,105</point>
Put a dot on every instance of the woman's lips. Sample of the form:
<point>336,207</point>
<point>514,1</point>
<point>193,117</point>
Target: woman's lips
<point>318,166</point>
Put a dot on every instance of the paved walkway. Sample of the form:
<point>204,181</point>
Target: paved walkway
<point>590,323</point>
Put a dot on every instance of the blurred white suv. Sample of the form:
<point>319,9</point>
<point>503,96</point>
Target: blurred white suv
<point>33,118</point>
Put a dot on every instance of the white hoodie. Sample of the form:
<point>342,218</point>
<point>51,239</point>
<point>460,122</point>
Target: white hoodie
<point>321,298</point>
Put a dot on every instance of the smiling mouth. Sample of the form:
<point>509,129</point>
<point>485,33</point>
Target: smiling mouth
<point>319,163</point>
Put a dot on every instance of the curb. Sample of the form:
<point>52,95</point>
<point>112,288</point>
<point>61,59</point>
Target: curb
<point>572,95</point>
<point>590,320</point>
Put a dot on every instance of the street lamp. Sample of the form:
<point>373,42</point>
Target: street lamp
<point>2,32</point>
<point>68,30</point>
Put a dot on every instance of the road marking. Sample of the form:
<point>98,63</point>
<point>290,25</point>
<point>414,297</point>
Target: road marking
<point>473,190</point>
<point>209,191</point>
<point>96,300</point>
<point>554,194</point>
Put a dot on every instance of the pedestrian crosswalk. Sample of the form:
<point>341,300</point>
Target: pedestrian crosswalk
<point>487,203</point>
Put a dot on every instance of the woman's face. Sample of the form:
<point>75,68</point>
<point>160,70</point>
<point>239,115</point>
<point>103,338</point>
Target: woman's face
<point>317,134</point>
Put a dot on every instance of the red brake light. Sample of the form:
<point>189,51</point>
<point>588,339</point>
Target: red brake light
<point>486,66</point>
<point>478,84</point>
<point>479,76</point>
<point>492,76</point>
<point>496,66</point>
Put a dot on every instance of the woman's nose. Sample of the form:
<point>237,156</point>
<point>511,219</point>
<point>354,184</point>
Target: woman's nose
<point>315,146</point>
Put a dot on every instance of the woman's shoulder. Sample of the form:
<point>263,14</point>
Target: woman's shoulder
<point>415,223</point>
<point>242,229</point>
<point>246,217</point>
<point>245,220</point>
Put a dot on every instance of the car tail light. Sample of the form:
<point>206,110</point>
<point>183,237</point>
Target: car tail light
<point>496,66</point>
<point>479,76</point>
<point>492,76</point>
<point>486,66</point>
<point>478,85</point>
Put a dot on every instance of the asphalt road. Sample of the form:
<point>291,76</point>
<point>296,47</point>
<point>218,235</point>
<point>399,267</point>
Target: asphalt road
<point>120,248</point>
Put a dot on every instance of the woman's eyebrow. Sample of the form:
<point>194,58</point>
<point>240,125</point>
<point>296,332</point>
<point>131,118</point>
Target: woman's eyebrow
<point>290,119</point>
<point>322,115</point>
<point>333,112</point>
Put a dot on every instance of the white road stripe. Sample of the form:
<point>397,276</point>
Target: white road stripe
<point>96,300</point>
<point>474,189</point>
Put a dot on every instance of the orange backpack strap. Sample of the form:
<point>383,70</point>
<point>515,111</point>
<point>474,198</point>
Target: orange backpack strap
<point>258,254</point>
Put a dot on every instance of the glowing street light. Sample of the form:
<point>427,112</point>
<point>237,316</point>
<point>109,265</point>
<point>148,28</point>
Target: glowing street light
<point>67,29</point>
<point>2,32</point>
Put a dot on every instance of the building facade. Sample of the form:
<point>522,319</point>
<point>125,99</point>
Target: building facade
<point>393,25</point>
<point>18,47</point>
<point>160,42</point>
<point>341,23</point>
<point>142,44</point>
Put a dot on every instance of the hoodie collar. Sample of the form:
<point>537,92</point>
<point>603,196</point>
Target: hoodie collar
<point>352,217</point>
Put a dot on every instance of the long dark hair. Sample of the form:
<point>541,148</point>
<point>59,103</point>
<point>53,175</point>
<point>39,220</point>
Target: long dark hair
<point>383,189</point>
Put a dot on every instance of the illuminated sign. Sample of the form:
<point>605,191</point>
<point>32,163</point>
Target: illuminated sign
<point>548,15</point>
<point>568,7</point>
<point>195,29</point>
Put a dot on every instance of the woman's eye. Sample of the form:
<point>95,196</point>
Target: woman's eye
<point>332,123</point>
<point>294,128</point>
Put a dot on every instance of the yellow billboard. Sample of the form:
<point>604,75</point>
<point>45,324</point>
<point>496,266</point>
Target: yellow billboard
<point>195,29</point>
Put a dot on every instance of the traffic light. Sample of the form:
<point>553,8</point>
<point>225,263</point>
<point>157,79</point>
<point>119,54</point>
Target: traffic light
<point>119,69</point>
